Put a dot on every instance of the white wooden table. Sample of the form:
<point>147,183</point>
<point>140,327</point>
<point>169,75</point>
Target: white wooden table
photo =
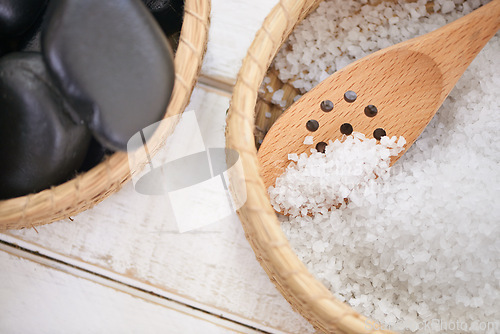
<point>115,269</point>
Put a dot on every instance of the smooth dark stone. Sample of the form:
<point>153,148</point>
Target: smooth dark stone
<point>17,16</point>
<point>168,13</point>
<point>5,47</point>
<point>95,155</point>
<point>31,40</point>
<point>40,144</point>
<point>113,63</point>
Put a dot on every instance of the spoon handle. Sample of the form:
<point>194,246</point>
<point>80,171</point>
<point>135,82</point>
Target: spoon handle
<point>454,46</point>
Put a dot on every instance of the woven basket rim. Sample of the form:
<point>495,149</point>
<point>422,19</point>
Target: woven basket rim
<point>89,188</point>
<point>303,291</point>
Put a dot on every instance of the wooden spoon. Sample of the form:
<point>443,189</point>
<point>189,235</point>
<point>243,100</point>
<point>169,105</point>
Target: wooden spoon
<point>394,91</point>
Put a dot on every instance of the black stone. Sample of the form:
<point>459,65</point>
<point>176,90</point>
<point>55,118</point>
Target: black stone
<point>168,13</point>
<point>17,16</point>
<point>113,63</point>
<point>31,39</point>
<point>6,46</point>
<point>95,155</point>
<point>40,143</point>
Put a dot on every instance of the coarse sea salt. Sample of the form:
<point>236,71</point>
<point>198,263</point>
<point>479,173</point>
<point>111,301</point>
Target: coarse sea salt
<point>315,182</point>
<point>277,98</point>
<point>308,140</point>
<point>420,244</point>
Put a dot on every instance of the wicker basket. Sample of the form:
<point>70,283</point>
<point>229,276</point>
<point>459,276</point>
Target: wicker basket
<point>247,123</point>
<point>88,189</point>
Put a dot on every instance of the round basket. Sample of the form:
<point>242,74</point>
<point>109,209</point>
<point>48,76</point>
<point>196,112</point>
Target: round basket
<point>249,117</point>
<point>88,189</point>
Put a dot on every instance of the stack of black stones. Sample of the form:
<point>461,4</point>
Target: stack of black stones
<point>77,80</point>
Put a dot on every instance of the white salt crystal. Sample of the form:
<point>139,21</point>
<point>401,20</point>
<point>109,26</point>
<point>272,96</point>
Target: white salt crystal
<point>401,141</point>
<point>447,6</point>
<point>394,20</point>
<point>474,3</point>
<point>318,247</point>
<point>388,12</point>
<point>323,75</point>
<point>309,140</point>
<point>278,96</point>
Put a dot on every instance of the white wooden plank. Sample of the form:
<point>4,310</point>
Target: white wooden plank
<point>214,267</point>
<point>129,285</point>
<point>40,299</point>
<point>232,29</point>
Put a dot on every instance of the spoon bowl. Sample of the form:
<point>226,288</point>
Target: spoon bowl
<point>395,92</point>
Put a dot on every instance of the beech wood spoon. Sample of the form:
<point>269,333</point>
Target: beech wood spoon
<point>395,91</point>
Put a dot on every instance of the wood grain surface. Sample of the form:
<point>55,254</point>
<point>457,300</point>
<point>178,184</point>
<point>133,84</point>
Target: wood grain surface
<point>55,300</point>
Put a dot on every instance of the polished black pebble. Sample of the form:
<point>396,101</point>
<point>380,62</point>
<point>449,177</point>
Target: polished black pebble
<point>5,47</point>
<point>168,13</point>
<point>95,155</point>
<point>17,16</point>
<point>112,61</point>
<point>40,144</point>
<point>31,39</point>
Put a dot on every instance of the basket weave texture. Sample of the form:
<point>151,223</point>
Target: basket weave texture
<point>90,188</point>
<point>249,118</point>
